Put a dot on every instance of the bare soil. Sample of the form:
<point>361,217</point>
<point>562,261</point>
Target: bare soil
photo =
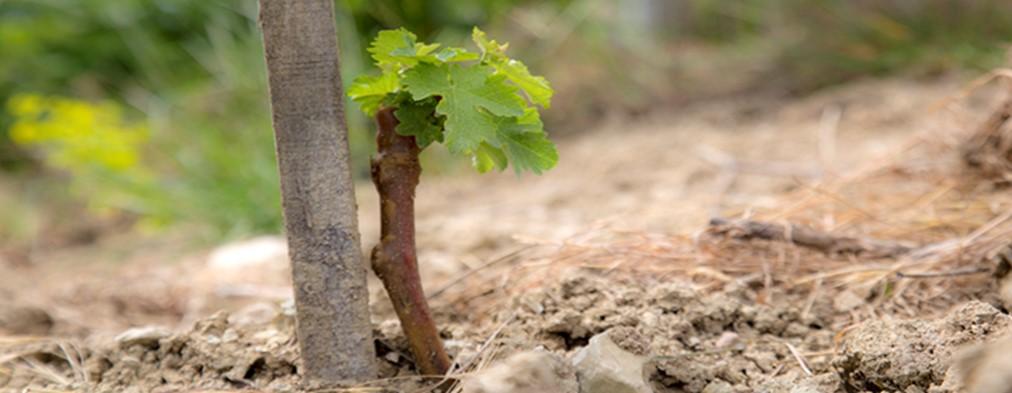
<point>134,313</point>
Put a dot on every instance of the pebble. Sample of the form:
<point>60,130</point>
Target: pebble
<point>525,372</point>
<point>147,336</point>
<point>603,367</point>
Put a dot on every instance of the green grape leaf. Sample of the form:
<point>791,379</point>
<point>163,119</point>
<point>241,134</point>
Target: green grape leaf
<point>468,98</point>
<point>524,141</point>
<point>477,109</point>
<point>488,157</point>
<point>418,119</point>
<point>399,48</point>
<point>369,91</point>
<point>452,55</point>
<point>489,48</point>
<point>536,87</point>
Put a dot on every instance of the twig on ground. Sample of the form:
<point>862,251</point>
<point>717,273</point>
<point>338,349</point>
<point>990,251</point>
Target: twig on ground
<point>808,237</point>
<point>951,273</point>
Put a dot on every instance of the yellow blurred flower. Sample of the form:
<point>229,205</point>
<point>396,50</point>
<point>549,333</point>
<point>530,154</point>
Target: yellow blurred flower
<point>75,135</point>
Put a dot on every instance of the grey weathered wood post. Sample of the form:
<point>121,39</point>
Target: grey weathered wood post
<point>317,193</point>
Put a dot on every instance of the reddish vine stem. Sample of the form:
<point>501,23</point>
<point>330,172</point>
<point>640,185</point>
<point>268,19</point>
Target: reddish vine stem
<point>395,172</point>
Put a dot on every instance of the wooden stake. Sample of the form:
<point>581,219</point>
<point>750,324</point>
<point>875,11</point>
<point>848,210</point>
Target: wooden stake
<point>318,195</point>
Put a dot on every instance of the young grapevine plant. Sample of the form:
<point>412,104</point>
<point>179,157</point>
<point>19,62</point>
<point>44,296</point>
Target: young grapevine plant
<point>483,105</point>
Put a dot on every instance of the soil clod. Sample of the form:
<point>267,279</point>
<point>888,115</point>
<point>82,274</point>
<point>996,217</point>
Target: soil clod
<point>889,355</point>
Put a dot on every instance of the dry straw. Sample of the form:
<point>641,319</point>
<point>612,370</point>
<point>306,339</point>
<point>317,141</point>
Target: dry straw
<point>948,216</point>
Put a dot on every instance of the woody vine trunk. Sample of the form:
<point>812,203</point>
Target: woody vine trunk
<point>395,172</point>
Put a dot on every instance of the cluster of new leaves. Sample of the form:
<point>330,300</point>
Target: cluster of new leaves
<point>478,104</point>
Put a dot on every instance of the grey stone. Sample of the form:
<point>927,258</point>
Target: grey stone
<point>718,386</point>
<point>525,372</point>
<point>603,367</point>
<point>26,320</point>
<point>984,368</point>
<point>147,336</point>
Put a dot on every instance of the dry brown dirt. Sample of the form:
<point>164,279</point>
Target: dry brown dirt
<point>64,316</point>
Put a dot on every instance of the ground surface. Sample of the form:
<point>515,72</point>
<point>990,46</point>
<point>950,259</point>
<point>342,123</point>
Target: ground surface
<point>611,242</point>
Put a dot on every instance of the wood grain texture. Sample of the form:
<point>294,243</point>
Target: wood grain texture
<point>318,197</point>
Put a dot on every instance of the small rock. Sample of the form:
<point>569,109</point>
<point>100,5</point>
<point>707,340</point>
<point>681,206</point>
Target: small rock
<point>794,381</point>
<point>214,325</point>
<point>986,368</point>
<point>27,320</point>
<point>260,313</point>
<point>603,367</point>
<point>726,339</point>
<point>673,296</point>
<point>718,386</point>
<point>648,319</point>
<point>230,335</point>
<point>525,372</point>
<point>147,336</point>
<point>250,253</point>
<point>1002,268</point>
<point>846,301</point>
<point>95,366</point>
<point>535,306</point>
<point>454,348</point>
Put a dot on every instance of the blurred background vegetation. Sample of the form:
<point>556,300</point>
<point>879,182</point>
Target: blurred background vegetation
<point>152,113</point>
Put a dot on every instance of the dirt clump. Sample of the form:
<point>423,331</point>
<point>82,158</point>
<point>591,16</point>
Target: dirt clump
<point>228,352</point>
<point>693,341</point>
<point>894,355</point>
<point>989,150</point>
<point>215,354</point>
<point>739,339</point>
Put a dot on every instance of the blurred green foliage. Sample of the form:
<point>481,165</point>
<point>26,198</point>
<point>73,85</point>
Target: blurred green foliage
<point>824,42</point>
<point>429,18</point>
<point>190,73</point>
<point>835,41</point>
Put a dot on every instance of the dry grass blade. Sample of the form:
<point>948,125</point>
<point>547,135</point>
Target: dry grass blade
<point>482,350</point>
<point>45,372</point>
<point>463,276</point>
<point>800,359</point>
<point>953,273</point>
<point>76,360</point>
